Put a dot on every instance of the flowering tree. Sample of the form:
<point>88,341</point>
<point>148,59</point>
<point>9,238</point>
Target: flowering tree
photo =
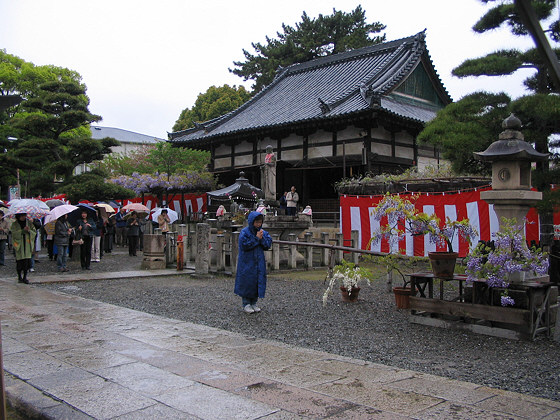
<point>508,254</point>
<point>159,183</point>
<point>403,216</point>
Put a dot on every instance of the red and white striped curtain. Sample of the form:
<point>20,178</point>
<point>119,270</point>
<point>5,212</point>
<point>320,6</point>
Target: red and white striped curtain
<point>355,214</point>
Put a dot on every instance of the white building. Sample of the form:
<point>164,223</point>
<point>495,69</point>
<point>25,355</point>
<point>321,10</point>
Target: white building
<point>128,140</point>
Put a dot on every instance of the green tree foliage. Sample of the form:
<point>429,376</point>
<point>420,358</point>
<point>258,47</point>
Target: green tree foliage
<point>51,125</point>
<point>215,102</point>
<point>309,39</point>
<point>537,111</point>
<point>117,164</point>
<point>159,158</point>
<point>91,186</point>
<point>469,124</point>
<point>174,160</point>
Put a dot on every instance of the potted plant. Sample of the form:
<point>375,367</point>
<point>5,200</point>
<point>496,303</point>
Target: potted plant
<point>403,216</point>
<point>349,276</point>
<point>505,260</point>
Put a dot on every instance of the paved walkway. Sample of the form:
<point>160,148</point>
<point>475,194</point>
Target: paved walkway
<point>66,357</point>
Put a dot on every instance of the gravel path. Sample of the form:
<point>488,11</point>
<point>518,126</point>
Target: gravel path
<point>371,329</point>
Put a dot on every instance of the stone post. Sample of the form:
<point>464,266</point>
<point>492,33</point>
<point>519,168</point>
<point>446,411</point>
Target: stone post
<point>309,250</point>
<point>153,254</point>
<point>202,260</point>
<point>220,254</point>
<point>293,251</point>
<point>234,251</point>
<point>193,243</point>
<point>355,235</point>
<point>339,253</point>
<point>171,249</point>
<point>275,252</point>
<point>324,251</point>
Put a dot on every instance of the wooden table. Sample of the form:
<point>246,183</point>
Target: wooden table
<point>525,322</point>
<point>419,282</point>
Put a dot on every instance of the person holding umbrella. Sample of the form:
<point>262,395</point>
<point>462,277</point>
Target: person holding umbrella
<point>133,232</point>
<point>163,221</point>
<point>23,240</point>
<point>62,231</point>
<point>86,226</point>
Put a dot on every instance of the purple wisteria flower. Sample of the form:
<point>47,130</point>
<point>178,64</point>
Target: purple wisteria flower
<point>507,301</point>
<point>509,254</point>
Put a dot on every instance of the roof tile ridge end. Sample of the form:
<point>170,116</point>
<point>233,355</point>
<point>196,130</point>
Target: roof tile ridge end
<point>418,48</point>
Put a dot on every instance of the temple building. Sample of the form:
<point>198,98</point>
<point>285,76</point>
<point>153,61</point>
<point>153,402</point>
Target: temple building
<point>337,116</point>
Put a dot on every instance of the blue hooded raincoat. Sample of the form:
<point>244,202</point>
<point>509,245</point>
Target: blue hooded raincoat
<point>250,281</point>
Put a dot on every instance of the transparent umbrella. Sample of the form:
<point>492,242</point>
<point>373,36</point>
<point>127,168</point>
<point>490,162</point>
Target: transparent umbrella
<point>173,216</point>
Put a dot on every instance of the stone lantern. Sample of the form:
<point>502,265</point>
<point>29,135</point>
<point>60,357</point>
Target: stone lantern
<point>511,157</point>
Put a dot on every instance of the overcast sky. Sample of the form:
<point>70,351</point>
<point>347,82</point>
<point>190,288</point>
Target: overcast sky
<point>144,61</point>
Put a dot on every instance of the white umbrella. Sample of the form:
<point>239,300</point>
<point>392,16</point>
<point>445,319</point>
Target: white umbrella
<point>58,211</point>
<point>173,216</point>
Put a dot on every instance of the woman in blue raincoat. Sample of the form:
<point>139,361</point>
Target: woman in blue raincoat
<point>250,281</point>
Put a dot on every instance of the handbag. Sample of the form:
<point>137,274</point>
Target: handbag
<point>77,238</point>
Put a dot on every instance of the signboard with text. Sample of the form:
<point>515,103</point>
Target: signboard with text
<point>14,192</point>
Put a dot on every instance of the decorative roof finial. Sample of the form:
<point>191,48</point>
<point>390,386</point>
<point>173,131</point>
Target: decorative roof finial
<point>511,123</point>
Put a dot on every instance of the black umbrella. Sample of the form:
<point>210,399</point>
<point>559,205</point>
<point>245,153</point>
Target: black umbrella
<point>76,215</point>
<point>54,202</point>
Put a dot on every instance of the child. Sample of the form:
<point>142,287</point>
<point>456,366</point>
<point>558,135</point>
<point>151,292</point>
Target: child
<point>250,281</point>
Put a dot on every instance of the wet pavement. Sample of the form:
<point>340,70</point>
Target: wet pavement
<point>66,357</point>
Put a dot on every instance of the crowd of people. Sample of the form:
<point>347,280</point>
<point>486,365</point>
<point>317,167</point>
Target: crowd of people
<point>93,233</point>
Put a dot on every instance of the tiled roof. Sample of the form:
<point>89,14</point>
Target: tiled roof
<point>329,87</point>
<point>122,135</point>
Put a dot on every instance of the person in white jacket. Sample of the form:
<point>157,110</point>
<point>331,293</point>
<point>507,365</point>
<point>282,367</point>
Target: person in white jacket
<point>292,199</point>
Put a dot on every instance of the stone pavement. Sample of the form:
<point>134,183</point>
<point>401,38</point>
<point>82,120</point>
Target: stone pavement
<point>66,357</point>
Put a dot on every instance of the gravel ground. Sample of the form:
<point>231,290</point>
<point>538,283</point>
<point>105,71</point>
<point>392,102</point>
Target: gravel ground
<point>371,329</point>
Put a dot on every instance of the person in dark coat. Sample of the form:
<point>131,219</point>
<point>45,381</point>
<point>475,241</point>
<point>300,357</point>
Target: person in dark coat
<point>62,231</point>
<point>23,240</point>
<point>109,234</point>
<point>250,280</point>
<point>133,232</point>
<point>86,226</point>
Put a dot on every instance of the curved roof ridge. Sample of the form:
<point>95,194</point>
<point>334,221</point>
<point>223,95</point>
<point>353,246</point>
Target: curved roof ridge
<point>348,55</point>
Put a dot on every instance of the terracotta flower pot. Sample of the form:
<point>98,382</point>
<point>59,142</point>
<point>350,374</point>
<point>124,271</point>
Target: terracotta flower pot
<point>443,263</point>
<point>349,297</point>
<point>402,295</point>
